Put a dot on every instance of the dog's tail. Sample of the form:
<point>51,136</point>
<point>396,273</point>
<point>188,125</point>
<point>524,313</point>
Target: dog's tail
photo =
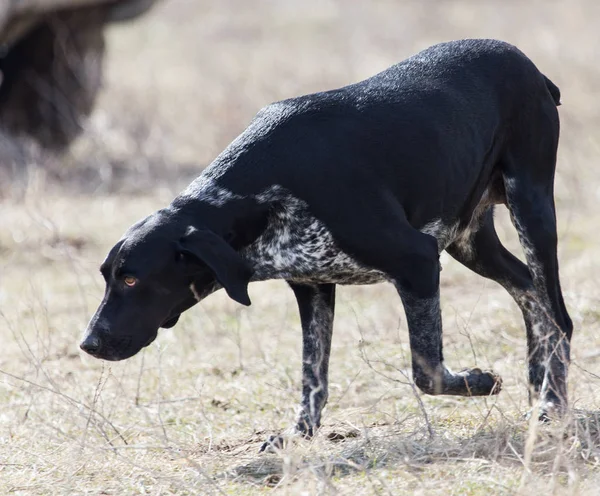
<point>553,89</point>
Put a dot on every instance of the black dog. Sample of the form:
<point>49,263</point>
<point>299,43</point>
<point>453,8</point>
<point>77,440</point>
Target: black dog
<point>359,185</point>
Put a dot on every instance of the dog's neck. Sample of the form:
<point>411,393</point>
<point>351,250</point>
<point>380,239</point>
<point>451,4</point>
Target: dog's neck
<point>240,221</point>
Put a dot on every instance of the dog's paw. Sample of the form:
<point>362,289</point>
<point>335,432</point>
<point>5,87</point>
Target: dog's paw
<point>546,411</point>
<point>280,441</point>
<point>273,444</point>
<point>481,383</point>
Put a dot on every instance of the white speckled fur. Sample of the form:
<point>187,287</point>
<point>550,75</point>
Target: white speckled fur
<point>442,233</point>
<point>448,234</point>
<point>298,247</point>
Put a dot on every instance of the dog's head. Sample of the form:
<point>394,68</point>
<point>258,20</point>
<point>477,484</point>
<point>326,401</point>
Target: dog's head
<point>160,268</point>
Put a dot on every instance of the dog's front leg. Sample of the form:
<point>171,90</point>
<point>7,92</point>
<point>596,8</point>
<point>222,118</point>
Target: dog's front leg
<point>429,372</point>
<point>316,303</point>
<point>418,285</point>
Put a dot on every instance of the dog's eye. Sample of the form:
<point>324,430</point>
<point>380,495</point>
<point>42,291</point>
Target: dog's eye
<point>130,281</point>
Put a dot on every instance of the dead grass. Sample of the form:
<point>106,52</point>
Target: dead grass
<point>188,415</point>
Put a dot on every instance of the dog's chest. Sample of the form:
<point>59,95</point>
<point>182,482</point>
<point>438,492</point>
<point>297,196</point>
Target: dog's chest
<point>298,247</point>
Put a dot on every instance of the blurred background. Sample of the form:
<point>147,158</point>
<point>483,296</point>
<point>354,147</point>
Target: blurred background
<point>108,110</point>
<point>173,88</point>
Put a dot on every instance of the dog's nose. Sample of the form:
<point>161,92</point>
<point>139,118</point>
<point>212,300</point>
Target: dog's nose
<point>90,344</point>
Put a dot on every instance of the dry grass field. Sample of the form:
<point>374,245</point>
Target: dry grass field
<point>188,415</point>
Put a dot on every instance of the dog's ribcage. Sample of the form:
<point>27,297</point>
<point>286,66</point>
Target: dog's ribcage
<point>298,247</point>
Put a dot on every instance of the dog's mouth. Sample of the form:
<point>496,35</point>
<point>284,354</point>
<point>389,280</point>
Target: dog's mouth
<point>176,312</point>
<point>127,349</point>
<point>150,340</point>
<point>123,353</point>
<point>171,321</point>
<point>115,352</point>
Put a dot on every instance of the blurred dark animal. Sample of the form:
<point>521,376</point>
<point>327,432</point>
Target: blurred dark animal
<point>358,185</point>
<point>51,54</point>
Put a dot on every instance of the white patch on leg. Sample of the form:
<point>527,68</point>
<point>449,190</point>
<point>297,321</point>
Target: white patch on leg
<point>536,329</point>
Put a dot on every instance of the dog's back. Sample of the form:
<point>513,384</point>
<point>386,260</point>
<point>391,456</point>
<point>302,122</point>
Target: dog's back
<point>441,113</point>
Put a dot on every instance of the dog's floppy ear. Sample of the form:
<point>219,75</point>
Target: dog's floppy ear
<point>232,272</point>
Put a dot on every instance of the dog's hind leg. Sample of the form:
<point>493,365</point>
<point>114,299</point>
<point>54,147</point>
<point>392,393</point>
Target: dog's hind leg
<point>529,193</point>
<point>316,303</point>
<point>485,255</point>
